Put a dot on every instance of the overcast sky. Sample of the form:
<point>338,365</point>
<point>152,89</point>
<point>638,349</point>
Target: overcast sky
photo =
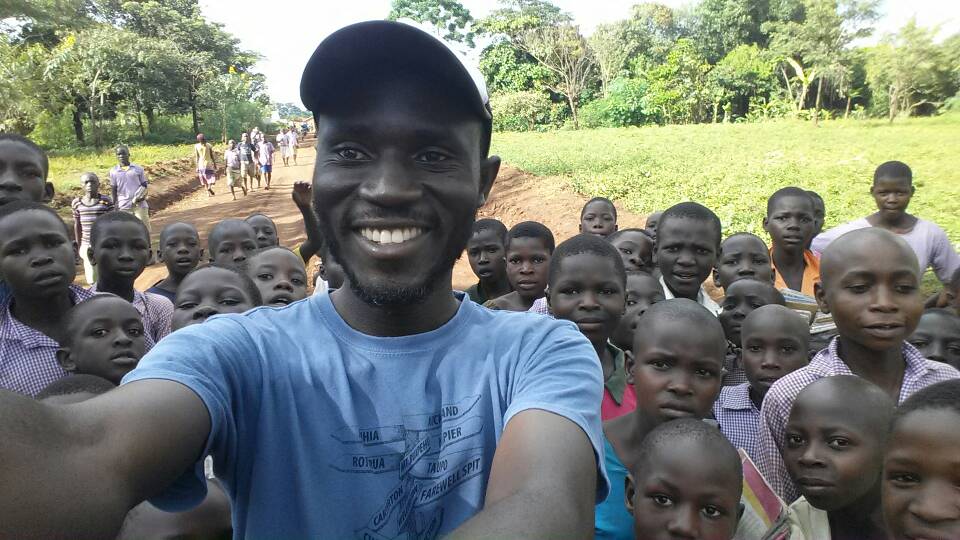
<point>285,32</point>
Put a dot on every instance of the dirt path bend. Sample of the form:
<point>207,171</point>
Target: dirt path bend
<point>517,196</point>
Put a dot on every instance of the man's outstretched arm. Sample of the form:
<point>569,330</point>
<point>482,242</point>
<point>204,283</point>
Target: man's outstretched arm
<point>74,471</point>
<point>543,483</point>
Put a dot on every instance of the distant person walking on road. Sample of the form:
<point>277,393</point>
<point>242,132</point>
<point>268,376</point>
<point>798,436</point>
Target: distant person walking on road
<point>282,143</point>
<point>128,184</point>
<point>265,152</point>
<point>248,161</point>
<point>86,209</point>
<point>206,163</point>
<point>232,157</point>
<point>292,141</point>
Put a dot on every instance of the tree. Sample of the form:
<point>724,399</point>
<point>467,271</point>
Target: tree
<point>547,34</point>
<point>610,53</point>
<point>678,90</point>
<point>648,35</point>
<point>745,73</point>
<point>290,111</point>
<point>817,46</point>
<point>449,18</point>
<point>506,68</point>
<point>911,71</point>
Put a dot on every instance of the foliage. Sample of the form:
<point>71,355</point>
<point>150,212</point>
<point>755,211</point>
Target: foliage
<point>524,110</point>
<point>509,69</point>
<point>448,17</point>
<point>678,91</point>
<point>909,71</point>
<point>117,60</point>
<point>745,73</point>
<point>733,168</point>
<point>546,34</point>
<point>289,111</point>
<point>623,106</point>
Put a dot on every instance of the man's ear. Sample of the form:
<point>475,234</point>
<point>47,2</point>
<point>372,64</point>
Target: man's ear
<point>773,274</point>
<point>912,190</point>
<point>489,169</point>
<point>628,363</point>
<point>546,295</point>
<point>48,192</point>
<point>93,262</point>
<point>629,492</point>
<point>740,510</point>
<point>766,222</point>
<point>65,359</point>
<point>821,297</point>
<point>716,278</point>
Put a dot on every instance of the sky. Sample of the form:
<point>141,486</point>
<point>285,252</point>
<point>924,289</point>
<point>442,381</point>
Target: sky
<point>285,33</point>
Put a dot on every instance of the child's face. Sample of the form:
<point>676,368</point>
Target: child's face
<point>651,225</point>
<point>588,292</point>
<point>676,373</point>
<point>742,257</point>
<point>921,472</point>
<point>528,266</point>
<point>209,292</point>
<point>681,492</point>
<point>22,176</point>
<point>834,459</point>
<point>686,253</point>
<point>91,185</point>
<point>742,298</point>
<point>772,348</point>
<point>265,231</point>
<point>181,249</point>
<point>486,255</point>
<point>790,222</point>
<point>280,276</point>
<point>36,255</point>
<point>235,244</point>
<point>892,195</point>
<point>123,156</point>
<point>122,250</point>
<point>874,296</point>
<point>108,343</point>
<point>598,218</point>
<point>642,292</point>
<point>938,338</point>
<point>636,250</point>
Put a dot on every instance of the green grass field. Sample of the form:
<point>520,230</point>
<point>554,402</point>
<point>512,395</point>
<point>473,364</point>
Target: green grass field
<point>733,168</point>
<point>66,167</point>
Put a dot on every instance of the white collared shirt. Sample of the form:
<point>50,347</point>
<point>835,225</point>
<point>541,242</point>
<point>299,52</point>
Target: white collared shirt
<point>702,297</point>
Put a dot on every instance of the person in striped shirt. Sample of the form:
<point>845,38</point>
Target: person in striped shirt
<point>86,209</point>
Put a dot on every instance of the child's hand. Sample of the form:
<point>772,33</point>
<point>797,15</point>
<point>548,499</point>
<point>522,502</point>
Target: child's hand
<point>302,192</point>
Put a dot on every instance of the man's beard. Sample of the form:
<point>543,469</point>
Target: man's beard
<point>387,294</point>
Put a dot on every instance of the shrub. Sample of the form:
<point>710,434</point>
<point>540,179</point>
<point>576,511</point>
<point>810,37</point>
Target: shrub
<point>623,106</point>
<point>523,110</point>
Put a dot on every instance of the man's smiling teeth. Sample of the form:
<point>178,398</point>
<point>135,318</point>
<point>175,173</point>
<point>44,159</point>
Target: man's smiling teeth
<point>391,236</point>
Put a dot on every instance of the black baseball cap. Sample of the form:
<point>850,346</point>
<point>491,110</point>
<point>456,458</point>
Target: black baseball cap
<point>356,50</point>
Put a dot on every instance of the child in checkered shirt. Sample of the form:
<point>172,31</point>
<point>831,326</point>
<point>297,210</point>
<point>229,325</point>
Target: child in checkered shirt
<point>743,296</point>
<point>870,283</point>
<point>774,344</point>
<point>104,336</point>
<point>38,265</point>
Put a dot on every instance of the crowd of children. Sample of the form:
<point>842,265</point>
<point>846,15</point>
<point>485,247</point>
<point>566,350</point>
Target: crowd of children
<point>688,379</point>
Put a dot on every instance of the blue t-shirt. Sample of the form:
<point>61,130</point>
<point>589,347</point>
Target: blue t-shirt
<point>613,522</point>
<point>321,431</point>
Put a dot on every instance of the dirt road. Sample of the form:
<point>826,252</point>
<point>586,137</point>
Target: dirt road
<point>516,197</point>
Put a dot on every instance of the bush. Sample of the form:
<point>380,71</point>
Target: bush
<point>524,110</point>
<point>623,106</point>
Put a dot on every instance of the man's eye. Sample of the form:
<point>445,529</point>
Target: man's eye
<point>659,364</point>
<point>99,332</point>
<point>794,441</point>
<point>625,251</point>
<point>350,154</point>
<point>903,478</point>
<point>136,332</point>
<point>265,277</point>
<point>753,348</point>
<point>229,302</point>
<point>432,156</point>
<point>858,289</point>
<point>631,302</point>
<point>186,305</point>
<point>298,281</point>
